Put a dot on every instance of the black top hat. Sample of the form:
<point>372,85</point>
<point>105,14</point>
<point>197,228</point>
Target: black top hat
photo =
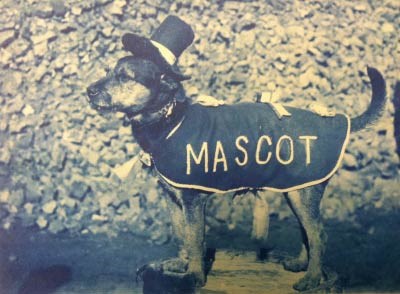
<point>165,46</point>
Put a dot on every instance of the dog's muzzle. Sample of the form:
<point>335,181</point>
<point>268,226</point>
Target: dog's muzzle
<point>99,100</point>
<point>92,91</point>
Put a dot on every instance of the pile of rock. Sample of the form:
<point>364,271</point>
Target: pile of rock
<point>57,155</point>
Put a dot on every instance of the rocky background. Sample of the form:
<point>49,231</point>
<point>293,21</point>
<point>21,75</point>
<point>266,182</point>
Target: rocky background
<point>58,156</point>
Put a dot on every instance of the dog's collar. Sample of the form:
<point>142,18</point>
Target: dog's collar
<point>143,119</point>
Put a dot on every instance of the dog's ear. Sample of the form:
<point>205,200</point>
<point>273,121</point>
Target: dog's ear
<point>168,85</point>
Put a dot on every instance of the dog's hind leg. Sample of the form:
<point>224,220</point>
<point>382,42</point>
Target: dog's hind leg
<point>305,204</point>
<point>300,263</point>
<point>260,228</point>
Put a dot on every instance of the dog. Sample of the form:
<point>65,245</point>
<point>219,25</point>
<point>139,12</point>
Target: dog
<point>199,150</point>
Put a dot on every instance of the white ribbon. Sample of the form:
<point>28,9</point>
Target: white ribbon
<point>165,52</point>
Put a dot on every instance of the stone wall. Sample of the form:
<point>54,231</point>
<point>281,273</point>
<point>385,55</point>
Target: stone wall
<point>58,155</point>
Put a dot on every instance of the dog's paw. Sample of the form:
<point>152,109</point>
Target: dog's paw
<point>175,265</point>
<point>295,265</point>
<point>170,266</point>
<point>209,259</point>
<point>308,282</point>
<point>263,253</point>
<point>170,276</point>
<point>327,282</point>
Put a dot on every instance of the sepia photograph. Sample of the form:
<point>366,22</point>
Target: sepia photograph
<point>211,147</point>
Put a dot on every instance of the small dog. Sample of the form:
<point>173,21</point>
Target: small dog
<point>198,150</point>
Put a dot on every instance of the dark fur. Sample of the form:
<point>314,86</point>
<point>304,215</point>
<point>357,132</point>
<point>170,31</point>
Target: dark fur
<point>188,205</point>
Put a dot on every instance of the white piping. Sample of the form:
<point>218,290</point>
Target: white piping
<point>175,129</point>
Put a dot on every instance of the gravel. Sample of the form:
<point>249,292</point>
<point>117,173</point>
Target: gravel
<point>57,155</point>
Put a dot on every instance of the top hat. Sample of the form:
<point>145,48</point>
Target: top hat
<point>165,45</point>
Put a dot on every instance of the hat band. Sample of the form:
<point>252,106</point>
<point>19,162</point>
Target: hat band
<point>165,52</point>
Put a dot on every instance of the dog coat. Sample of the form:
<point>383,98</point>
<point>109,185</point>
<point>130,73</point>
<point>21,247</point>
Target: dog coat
<point>246,145</point>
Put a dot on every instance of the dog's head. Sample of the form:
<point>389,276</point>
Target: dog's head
<point>129,87</point>
<point>145,84</point>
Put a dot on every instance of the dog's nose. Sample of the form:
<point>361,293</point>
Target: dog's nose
<point>92,91</point>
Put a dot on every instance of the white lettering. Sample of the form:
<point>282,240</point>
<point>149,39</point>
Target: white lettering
<point>219,157</point>
<point>197,159</point>
<point>284,152</point>
<point>278,150</point>
<point>241,148</point>
<point>259,143</point>
<point>308,147</point>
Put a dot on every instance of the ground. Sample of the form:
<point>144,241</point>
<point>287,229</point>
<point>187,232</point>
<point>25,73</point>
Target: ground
<point>365,261</point>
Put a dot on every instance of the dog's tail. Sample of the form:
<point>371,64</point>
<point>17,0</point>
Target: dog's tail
<point>377,105</point>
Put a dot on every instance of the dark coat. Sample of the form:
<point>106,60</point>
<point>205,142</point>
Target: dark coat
<point>241,146</point>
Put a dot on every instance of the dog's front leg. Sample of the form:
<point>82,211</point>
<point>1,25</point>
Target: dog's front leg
<point>185,273</point>
<point>175,207</point>
<point>194,233</point>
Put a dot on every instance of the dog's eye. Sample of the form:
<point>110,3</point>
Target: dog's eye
<point>122,77</point>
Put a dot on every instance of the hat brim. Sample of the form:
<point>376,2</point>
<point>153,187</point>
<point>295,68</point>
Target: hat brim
<point>143,47</point>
